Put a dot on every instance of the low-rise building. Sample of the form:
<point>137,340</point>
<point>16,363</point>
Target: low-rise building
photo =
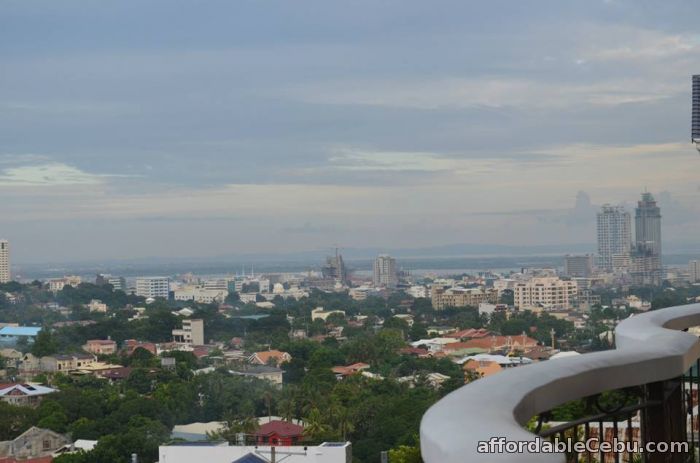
<point>24,395</point>
<point>545,293</point>
<point>344,371</point>
<point>279,432</point>
<point>56,363</point>
<point>31,444</point>
<point>270,357</point>
<point>327,452</point>
<point>200,294</point>
<point>97,306</point>
<point>101,346</point>
<point>461,297</point>
<point>191,334</point>
<point>320,314</point>
<point>10,335</point>
<point>152,287</point>
<point>265,372</point>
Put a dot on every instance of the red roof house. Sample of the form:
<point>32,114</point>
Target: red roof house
<point>279,432</point>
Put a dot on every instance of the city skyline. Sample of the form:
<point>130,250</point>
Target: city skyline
<point>313,129</point>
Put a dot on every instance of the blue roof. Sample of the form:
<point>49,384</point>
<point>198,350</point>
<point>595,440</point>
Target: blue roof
<point>19,331</point>
<point>250,458</point>
<point>252,317</point>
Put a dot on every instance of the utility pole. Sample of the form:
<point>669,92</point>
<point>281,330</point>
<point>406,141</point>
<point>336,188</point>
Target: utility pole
<point>552,333</point>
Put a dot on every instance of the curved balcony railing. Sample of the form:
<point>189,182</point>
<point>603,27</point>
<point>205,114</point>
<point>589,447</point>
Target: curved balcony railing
<point>651,350</point>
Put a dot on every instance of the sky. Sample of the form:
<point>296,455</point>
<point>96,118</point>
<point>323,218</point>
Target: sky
<point>184,128</point>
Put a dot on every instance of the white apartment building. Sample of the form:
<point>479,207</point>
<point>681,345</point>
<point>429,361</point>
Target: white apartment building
<point>153,287</point>
<point>614,225</point>
<point>385,271</point>
<point>5,275</point>
<point>191,334</point>
<point>418,291</point>
<point>694,271</point>
<point>546,293</point>
<point>200,294</point>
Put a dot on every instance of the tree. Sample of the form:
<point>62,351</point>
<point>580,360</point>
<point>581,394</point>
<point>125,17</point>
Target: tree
<point>44,344</point>
<point>314,425</point>
<point>405,454</point>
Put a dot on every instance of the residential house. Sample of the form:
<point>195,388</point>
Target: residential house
<point>53,363</point>
<point>130,345</point>
<point>101,346</point>
<point>97,306</point>
<point>482,368</point>
<point>269,357</point>
<point>345,371</point>
<point>30,365</point>
<point>268,373</point>
<point>27,395</point>
<point>33,443</point>
<point>279,432</point>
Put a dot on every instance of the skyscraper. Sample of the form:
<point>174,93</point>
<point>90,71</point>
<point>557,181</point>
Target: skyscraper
<point>385,273</point>
<point>614,235</point>
<point>647,224</point>
<point>4,261</point>
<point>694,271</point>
<point>695,123</point>
<point>335,268</point>
<point>646,255</point>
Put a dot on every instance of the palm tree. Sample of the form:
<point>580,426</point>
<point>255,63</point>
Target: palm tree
<point>314,425</point>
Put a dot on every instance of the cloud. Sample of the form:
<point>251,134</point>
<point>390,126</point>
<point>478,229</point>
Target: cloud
<point>51,174</point>
<point>494,92</point>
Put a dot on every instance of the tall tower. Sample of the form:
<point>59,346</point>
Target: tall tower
<point>614,235</point>
<point>646,256</point>
<point>695,121</point>
<point>385,273</point>
<point>647,224</point>
<point>4,261</point>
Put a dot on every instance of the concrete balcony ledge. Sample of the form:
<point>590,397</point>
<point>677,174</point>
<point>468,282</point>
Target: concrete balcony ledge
<point>650,348</point>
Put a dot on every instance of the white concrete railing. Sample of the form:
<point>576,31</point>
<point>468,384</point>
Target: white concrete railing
<point>650,348</point>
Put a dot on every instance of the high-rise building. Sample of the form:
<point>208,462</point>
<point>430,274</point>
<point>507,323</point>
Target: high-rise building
<point>335,268</point>
<point>647,224</point>
<point>614,235</point>
<point>578,266</point>
<point>153,287</point>
<point>385,272</point>
<point>646,268</point>
<point>5,275</point>
<point>694,271</point>
<point>695,123</point>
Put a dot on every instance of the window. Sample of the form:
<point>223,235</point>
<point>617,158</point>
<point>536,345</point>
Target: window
<point>46,444</point>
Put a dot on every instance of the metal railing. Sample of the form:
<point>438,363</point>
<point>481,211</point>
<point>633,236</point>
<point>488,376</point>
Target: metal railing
<point>644,391</point>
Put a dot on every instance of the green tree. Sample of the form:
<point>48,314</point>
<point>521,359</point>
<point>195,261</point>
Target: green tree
<point>44,344</point>
<point>405,454</point>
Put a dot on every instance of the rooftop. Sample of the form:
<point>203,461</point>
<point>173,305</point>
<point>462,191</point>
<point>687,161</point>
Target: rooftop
<point>19,331</point>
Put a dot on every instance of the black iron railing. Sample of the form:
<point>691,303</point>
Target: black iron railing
<point>663,413</point>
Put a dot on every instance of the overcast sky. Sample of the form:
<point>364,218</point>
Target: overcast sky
<point>184,128</point>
